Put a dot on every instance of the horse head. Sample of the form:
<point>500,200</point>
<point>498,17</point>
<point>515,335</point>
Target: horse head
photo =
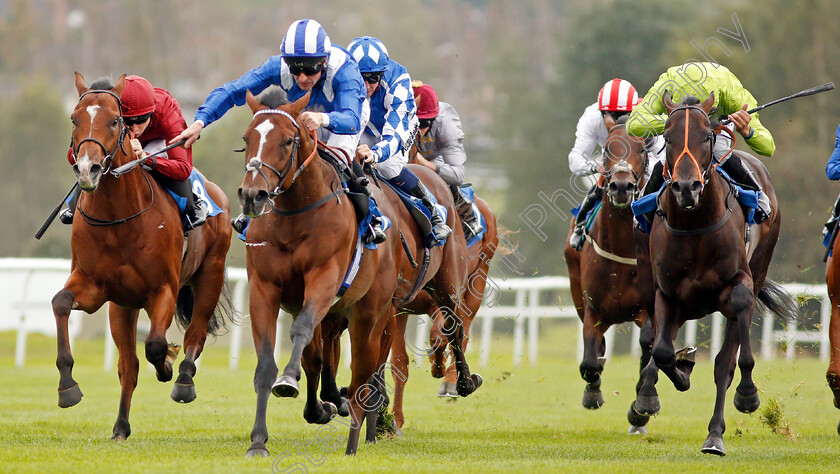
<point>273,142</point>
<point>689,140</point>
<point>98,129</point>
<point>625,160</point>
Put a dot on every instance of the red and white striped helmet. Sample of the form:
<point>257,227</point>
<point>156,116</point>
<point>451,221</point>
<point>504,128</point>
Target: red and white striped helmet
<point>617,95</point>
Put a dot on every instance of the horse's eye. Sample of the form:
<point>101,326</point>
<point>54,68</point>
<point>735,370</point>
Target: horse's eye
<point>667,140</point>
<point>289,142</point>
<point>115,122</point>
<point>710,137</point>
<point>74,122</point>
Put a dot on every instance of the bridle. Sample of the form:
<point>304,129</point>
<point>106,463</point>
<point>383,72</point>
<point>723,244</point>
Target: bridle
<point>623,166</point>
<point>713,163</point>
<point>109,155</point>
<point>256,165</point>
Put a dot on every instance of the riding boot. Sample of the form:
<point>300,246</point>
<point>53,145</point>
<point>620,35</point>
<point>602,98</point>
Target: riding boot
<point>66,216</point>
<point>359,183</point>
<point>439,228</point>
<point>592,198</point>
<point>831,223</point>
<point>194,210</point>
<point>471,223</point>
<point>742,175</point>
<point>239,223</point>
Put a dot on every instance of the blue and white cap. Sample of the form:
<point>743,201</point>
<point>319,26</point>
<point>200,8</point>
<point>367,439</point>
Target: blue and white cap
<point>305,38</point>
<point>370,53</point>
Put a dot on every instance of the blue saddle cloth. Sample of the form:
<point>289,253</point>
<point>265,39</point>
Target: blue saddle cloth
<point>589,218</point>
<point>420,213</point>
<point>200,190</point>
<point>746,197</point>
<point>469,193</point>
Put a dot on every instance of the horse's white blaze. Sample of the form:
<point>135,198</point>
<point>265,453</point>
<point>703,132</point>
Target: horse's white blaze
<point>84,163</point>
<point>263,129</point>
<point>92,110</point>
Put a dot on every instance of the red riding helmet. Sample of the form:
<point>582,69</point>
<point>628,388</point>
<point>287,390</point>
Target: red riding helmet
<point>617,95</point>
<point>138,97</point>
<point>426,99</point>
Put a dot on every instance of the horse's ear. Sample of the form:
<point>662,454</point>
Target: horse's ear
<point>252,101</point>
<point>666,99</point>
<point>118,89</point>
<point>609,121</point>
<point>708,103</point>
<point>81,86</point>
<point>300,104</point>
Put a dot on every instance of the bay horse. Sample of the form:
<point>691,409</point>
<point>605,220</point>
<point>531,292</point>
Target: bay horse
<point>603,274</point>
<point>298,255</point>
<point>832,281</point>
<point>129,249</point>
<point>478,258</point>
<point>701,264</point>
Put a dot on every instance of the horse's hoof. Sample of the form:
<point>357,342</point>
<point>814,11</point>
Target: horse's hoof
<point>714,445</point>
<point>256,453</point>
<point>838,428</point>
<point>592,399</point>
<point>69,396</point>
<point>646,405</point>
<point>119,437</point>
<point>637,430</point>
<point>166,375</point>
<point>477,380</point>
<point>442,392</point>
<point>285,387</point>
<point>636,420</point>
<point>747,403</point>
<point>183,393</point>
<point>344,407</point>
<point>342,392</point>
<point>398,431</point>
<point>465,387</point>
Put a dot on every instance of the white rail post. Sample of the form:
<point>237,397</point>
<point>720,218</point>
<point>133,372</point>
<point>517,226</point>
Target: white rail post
<point>20,345</point>
<point>108,366</point>
<point>691,333</point>
<point>533,325</point>
<point>768,341</point>
<point>790,336</point>
<point>609,339</point>
<point>635,334</point>
<point>717,338</point>
<point>518,328</point>
<point>825,321</point>
<point>236,332</point>
<point>486,338</point>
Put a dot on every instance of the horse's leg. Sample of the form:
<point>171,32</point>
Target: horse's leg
<point>669,320</point>
<point>437,342</point>
<point>85,296</point>
<point>724,373</point>
<point>264,307</point>
<point>314,411</point>
<point>637,421</point>
<point>377,420</point>
<point>473,298</point>
<point>207,286</point>
<point>318,297</point>
<point>742,303</point>
<point>399,369</point>
<point>124,332</point>
<point>365,338</point>
<point>833,373</point>
<point>158,352</point>
<point>590,367</point>
<point>331,329</point>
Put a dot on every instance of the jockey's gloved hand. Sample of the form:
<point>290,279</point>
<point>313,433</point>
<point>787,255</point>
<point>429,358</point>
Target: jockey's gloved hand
<point>149,164</point>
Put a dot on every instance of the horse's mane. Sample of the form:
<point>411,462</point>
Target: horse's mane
<point>623,119</point>
<point>102,84</point>
<point>273,97</point>
<point>690,100</point>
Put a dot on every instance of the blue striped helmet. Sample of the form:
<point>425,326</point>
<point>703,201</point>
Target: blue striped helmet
<point>305,38</point>
<point>370,53</point>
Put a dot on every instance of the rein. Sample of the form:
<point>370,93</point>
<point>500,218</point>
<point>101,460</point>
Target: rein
<point>256,165</point>
<point>705,230</point>
<point>93,221</point>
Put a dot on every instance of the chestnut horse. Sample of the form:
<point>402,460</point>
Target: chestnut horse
<point>603,275</point>
<point>298,255</point>
<point>700,264</point>
<point>832,280</point>
<point>128,248</point>
<point>478,263</point>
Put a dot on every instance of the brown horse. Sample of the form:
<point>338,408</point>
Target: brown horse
<point>603,275</point>
<point>700,264</point>
<point>832,280</point>
<point>129,249</point>
<point>478,263</point>
<point>298,255</point>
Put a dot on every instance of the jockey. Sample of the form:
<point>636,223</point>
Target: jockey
<point>732,100</point>
<point>153,116</point>
<point>616,98</point>
<point>393,125</point>
<point>307,62</point>
<point>832,171</point>
<point>442,140</point>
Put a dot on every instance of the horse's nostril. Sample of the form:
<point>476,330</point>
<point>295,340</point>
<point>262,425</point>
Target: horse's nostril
<point>696,186</point>
<point>95,169</point>
<point>613,187</point>
<point>631,186</point>
<point>675,186</point>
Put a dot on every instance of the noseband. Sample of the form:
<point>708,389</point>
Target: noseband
<point>106,163</point>
<point>623,166</point>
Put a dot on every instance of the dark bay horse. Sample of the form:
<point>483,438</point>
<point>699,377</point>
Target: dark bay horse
<point>128,249</point>
<point>701,264</point>
<point>832,280</point>
<point>478,263</point>
<point>603,275</point>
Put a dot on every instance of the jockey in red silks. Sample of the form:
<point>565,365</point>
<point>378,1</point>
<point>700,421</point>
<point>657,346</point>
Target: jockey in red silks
<point>154,117</point>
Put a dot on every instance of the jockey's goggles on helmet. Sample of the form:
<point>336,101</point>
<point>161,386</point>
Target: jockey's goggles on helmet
<point>426,123</point>
<point>136,120</point>
<point>305,65</point>
<point>372,77</point>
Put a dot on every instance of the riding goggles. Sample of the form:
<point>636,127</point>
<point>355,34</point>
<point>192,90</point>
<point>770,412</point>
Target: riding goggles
<point>372,77</point>
<point>426,123</point>
<point>307,66</point>
<point>137,120</point>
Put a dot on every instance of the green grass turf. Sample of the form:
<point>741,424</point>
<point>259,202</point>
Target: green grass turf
<point>525,418</point>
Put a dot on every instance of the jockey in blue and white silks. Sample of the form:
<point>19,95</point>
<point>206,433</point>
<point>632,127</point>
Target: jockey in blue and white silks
<point>393,123</point>
<point>308,62</point>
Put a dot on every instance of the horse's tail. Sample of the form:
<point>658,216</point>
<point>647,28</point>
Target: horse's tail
<point>222,314</point>
<point>778,301</point>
